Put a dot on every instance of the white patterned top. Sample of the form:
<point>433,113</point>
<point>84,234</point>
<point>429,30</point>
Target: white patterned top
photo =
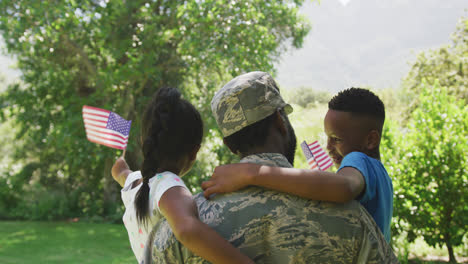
<point>158,185</point>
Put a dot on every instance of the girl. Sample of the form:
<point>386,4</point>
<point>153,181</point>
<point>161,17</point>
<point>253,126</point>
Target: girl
<point>171,133</point>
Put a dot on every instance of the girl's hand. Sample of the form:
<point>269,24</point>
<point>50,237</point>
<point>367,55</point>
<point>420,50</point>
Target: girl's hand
<point>230,178</point>
<point>120,171</point>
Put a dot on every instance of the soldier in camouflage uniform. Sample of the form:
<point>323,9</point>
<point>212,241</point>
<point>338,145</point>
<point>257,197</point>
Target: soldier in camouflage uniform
<point>268,226</point>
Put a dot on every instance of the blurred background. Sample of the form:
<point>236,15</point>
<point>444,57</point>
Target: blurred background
<point>58,202</point>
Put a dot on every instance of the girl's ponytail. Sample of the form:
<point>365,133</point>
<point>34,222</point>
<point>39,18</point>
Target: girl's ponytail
<point>171,128</point>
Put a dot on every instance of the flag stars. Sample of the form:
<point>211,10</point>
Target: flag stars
<point>118,124</point>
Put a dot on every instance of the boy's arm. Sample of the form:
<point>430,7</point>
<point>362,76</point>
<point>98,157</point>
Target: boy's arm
<point>343,186</point>
<point>120,171</point>
<point>178,207</point>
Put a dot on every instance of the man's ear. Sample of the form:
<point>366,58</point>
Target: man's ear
<point>280,123</point>
<point>373,139</point>
<point>234,151</point>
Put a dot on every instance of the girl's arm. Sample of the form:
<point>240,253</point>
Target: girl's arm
<point>343,186</point>
<point>178,207</point>
<point>120,171</point>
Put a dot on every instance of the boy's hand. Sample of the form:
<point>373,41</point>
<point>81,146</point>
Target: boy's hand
<point>120,171</point>
<point>230,178</point>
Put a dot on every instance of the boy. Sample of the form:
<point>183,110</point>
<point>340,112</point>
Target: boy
<point>353,125</point>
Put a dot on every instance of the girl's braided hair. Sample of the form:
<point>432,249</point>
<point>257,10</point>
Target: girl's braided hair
<point>171,128</point>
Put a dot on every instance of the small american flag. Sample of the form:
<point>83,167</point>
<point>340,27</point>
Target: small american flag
<point>105,127</point>
<point>316,157</point>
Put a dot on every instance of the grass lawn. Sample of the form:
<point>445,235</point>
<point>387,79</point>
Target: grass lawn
<point>63,242</point>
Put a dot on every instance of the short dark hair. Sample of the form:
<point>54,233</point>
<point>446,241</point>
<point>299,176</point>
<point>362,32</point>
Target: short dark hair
<point>250,136</point>
<point>360,102</point>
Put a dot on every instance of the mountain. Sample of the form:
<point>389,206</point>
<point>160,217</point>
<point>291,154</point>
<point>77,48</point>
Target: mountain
<point>360,43</point>
<point>366,42</point>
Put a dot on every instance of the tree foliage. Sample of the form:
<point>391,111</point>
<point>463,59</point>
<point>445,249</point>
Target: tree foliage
<point>429,165</point>
<point>307,97</point>
<point>115,55</point>
<point>447,65</point>
<point>426,153</point>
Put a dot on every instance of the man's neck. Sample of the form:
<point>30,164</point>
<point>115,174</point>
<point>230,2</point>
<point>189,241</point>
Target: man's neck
<point>274,143</point>
<point>264,149</point>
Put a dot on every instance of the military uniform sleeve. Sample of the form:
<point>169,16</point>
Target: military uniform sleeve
<point>373,247</point>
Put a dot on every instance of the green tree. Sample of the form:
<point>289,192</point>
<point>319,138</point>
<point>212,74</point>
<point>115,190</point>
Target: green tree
<point>446,64</point>
<point>391,149</point>
<point>115,55</point>
<point>424,152</point>
<point>431,169</point>
<point>307,97</point>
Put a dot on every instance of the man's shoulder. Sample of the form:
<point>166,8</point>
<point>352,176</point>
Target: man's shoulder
<point>254,203</point>
<point>292,222</point>
<point>269,159</point>
<point>284,223</point>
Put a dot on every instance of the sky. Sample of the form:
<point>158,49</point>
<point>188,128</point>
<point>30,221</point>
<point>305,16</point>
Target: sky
<point>365,43</point>
<point>7,63</point>
<point>344,2</point>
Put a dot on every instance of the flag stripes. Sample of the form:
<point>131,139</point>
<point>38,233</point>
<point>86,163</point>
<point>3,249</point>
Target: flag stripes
<point>316,157</point>
<point>105,127</point>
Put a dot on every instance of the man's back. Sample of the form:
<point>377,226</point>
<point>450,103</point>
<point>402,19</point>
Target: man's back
<point>272,227</point>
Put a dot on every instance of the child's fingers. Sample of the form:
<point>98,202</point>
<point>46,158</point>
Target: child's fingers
<point>206,194</point>
<point>119,165</point>
<point>207,184</point>
<point>118,161</point>
<point>209,190</point>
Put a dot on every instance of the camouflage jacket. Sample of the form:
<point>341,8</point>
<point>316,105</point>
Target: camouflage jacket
<point>273,227</point>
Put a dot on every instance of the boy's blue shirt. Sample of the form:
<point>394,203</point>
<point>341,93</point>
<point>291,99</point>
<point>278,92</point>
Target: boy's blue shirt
<point>377,197</point>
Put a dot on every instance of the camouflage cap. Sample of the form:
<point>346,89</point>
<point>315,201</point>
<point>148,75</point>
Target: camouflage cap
<point>246,99</point>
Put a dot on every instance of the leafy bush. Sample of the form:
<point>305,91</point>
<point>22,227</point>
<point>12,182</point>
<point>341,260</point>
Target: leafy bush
<point>428,163</point>
<point>307,97</point>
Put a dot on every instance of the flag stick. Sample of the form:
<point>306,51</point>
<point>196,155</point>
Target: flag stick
<point>123,154</point>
